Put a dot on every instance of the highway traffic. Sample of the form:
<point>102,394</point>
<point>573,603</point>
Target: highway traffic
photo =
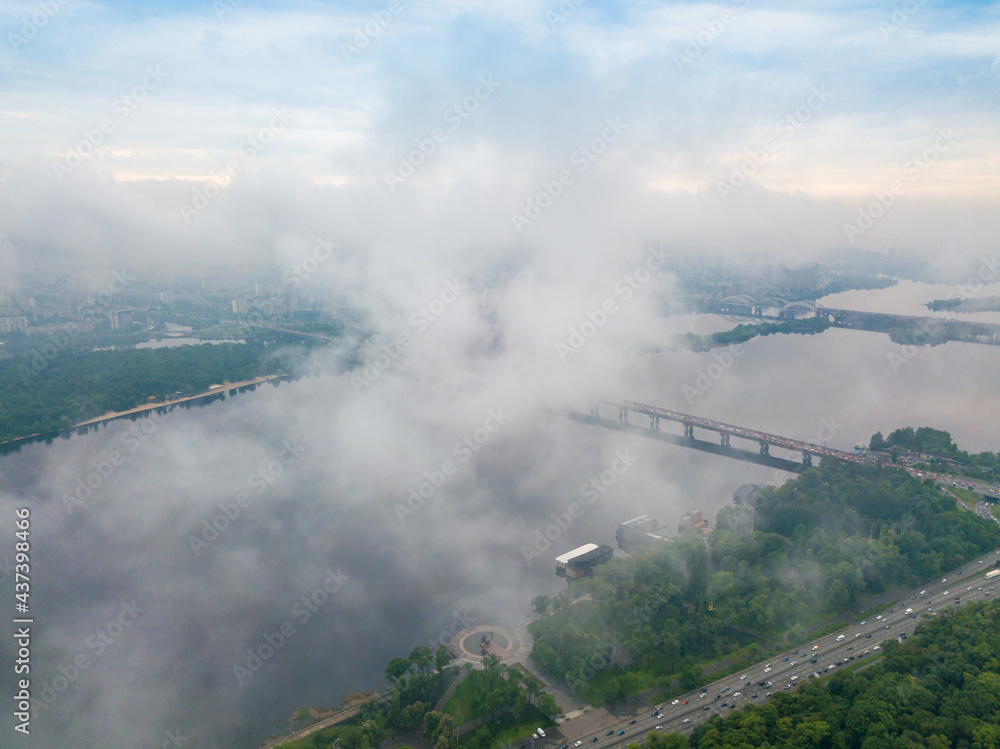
<point>787,670</point>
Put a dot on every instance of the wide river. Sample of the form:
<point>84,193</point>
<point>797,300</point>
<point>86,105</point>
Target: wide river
<point>211,531</point>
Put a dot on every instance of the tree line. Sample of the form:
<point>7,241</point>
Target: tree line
<point>497,692</point>
<point>817,548</point>
<point>941,688</point>
<point>38,396</point>
<point>938,443</point>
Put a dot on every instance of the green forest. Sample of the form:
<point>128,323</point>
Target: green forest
<point>939,689</point>
<point>939,443</point>
<point>746,331</point>
<point>508,702</point>
<point>815,550</point>
<point>74,386</point>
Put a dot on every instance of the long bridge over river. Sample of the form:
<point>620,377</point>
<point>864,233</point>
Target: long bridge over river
<point>929,328</point>
<point>626,411</point>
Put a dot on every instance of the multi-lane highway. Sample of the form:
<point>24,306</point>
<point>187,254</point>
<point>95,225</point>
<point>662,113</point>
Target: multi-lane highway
<point>980,487</point>
<point>786,671</point>
<point>985,511</point>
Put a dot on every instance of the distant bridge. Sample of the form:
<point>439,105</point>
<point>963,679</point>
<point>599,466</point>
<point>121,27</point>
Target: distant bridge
<point>773,308</point>
<point>764,442</point>
<point>726,432</point>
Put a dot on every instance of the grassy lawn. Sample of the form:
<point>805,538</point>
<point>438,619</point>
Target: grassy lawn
<point>459,706</point>
<point>969,499</point>
<point>996,511</point>
<point>328,735</point>
<point>447,677</point>
<point>506,731</point>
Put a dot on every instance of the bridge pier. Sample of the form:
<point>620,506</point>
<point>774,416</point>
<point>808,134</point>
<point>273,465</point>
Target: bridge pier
<point>654,423</point>
<point>724,439</point>
<point>623,415</point>
<point>807,459</point>
<point>765,448</point>
<point>689,430</point>
<point>593,409</point>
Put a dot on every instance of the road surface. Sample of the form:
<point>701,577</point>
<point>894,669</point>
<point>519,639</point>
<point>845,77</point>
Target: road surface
<point>786,671</point>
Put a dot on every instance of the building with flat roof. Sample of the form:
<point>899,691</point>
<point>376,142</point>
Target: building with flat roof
<point>122,318</point>
<point>633,533</point>
<point>693,519</point>
<point>745,493</point>
<point>580,562</point>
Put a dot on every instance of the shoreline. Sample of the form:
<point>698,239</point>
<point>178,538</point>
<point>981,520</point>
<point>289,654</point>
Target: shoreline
<point>143,408</point>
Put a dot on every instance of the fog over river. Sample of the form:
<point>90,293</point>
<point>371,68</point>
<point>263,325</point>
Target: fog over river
<point>315,474</point>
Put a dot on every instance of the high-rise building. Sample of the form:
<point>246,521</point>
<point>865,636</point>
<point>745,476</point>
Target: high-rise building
<point>121,318</point>
<point>11,324</point>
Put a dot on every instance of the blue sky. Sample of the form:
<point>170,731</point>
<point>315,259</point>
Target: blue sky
<point>701,86</point>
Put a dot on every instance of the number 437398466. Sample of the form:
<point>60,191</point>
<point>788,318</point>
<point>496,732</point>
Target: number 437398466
<point>22,568</point>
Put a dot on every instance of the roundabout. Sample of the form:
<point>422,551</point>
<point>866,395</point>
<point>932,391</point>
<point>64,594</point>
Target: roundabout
<point>475,643</point>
